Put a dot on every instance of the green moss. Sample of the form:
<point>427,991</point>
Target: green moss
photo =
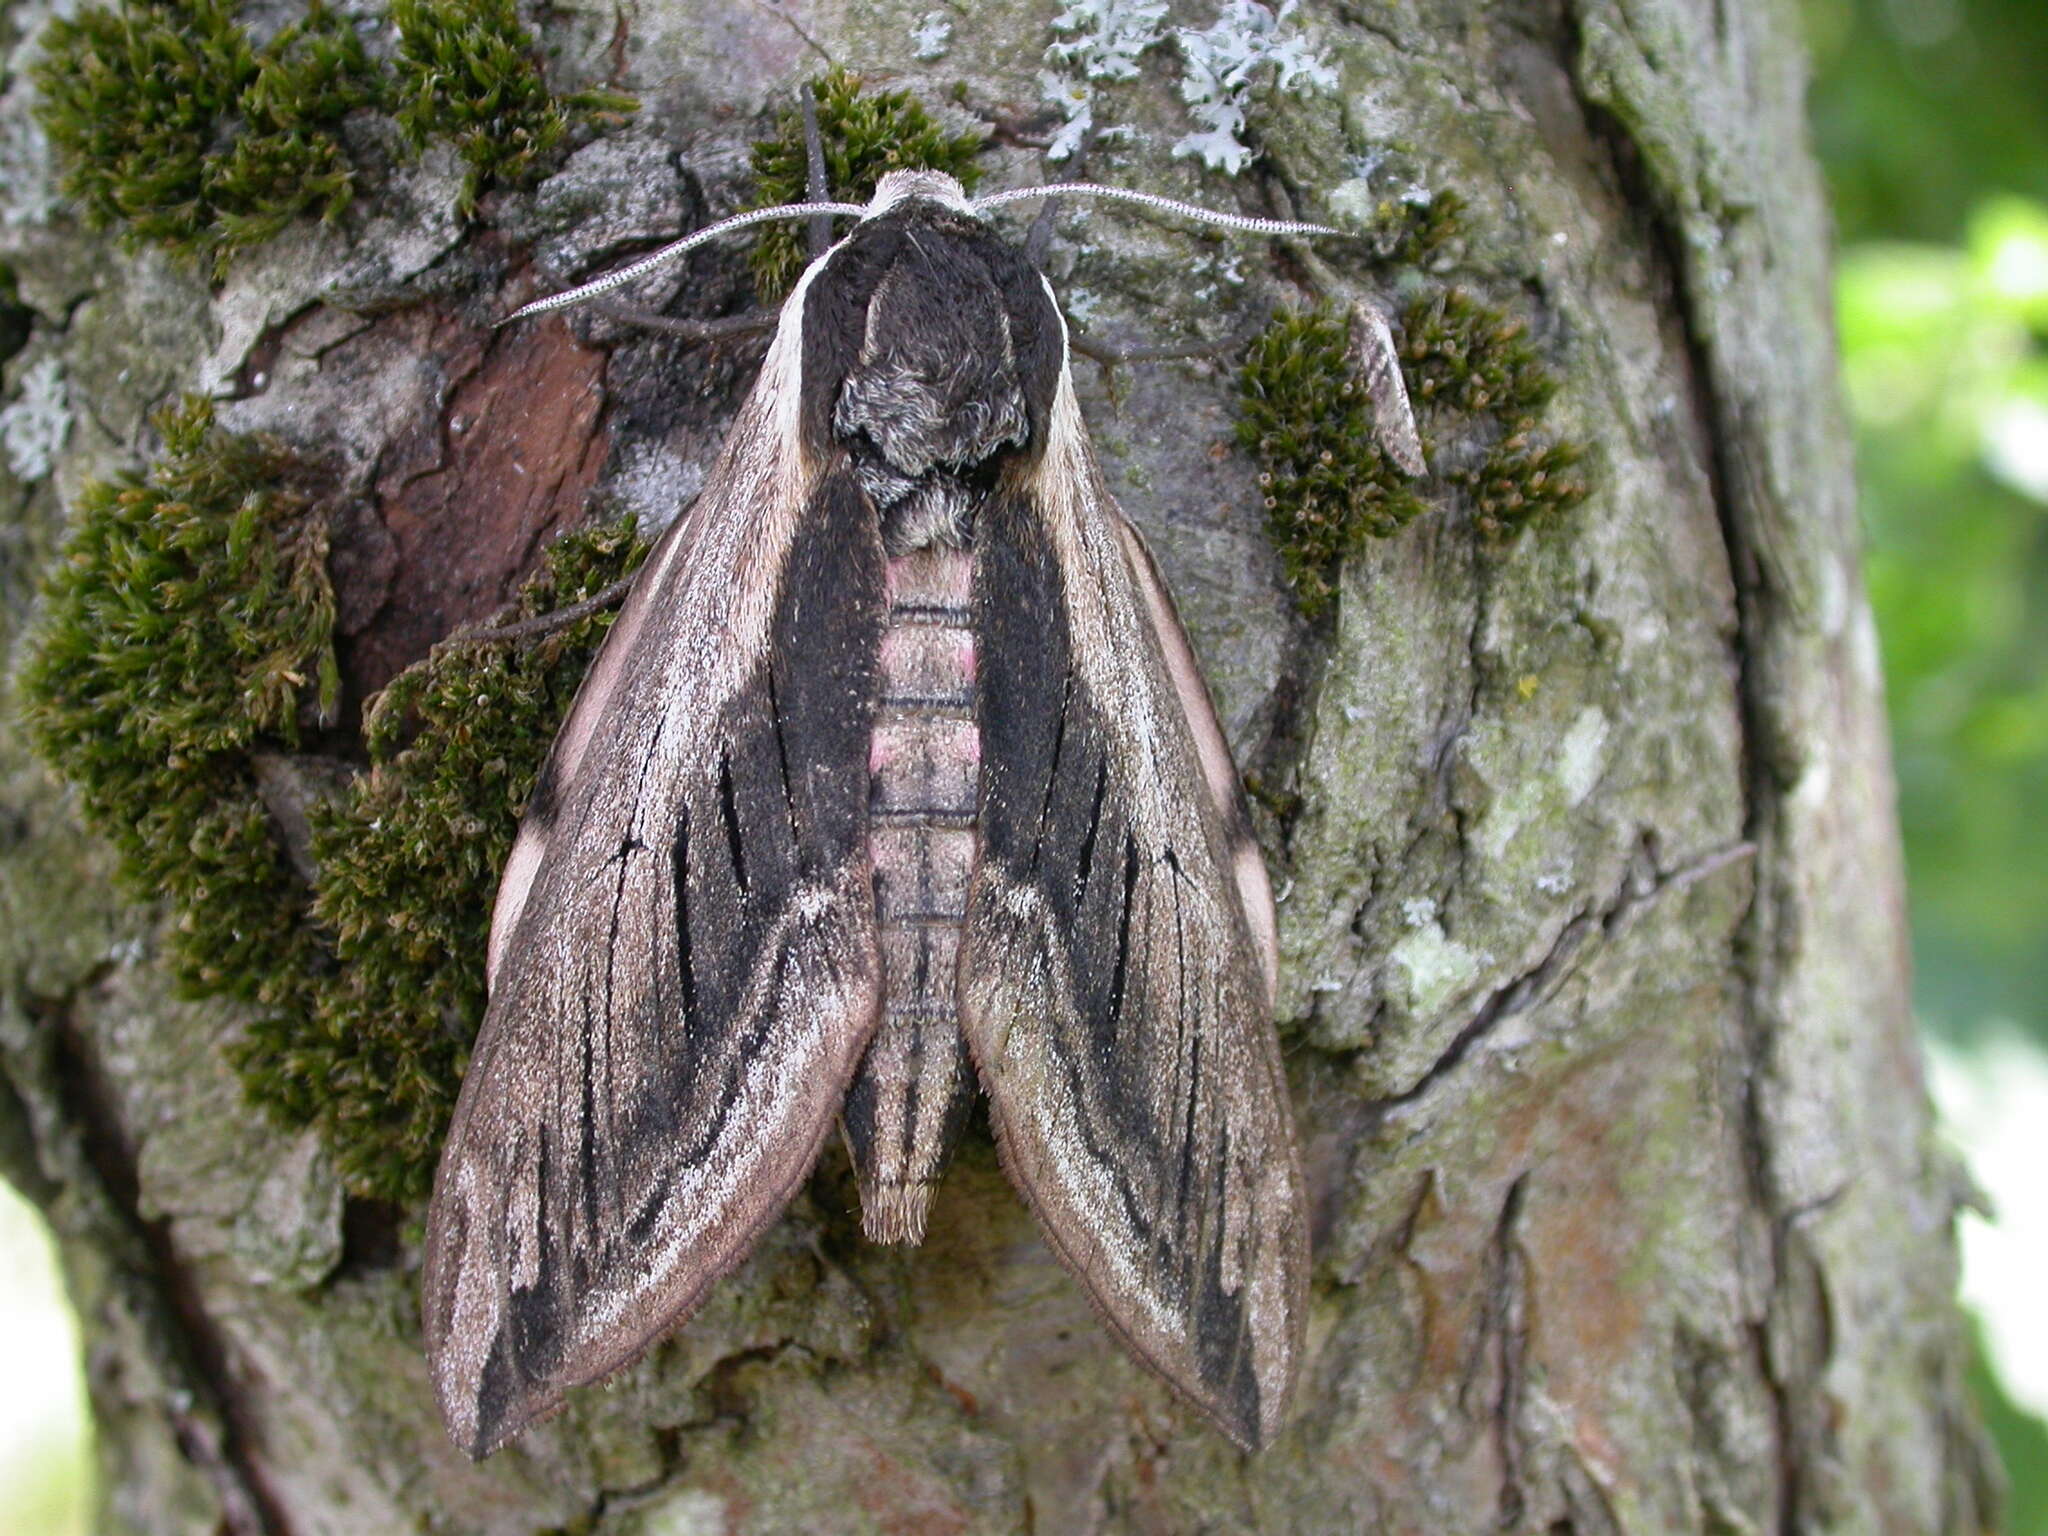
<point>1328,486</point>
<point>1473,377</point>
<point>175,128</point>
<point>864,134</point>
<point>468,73</point>
<point>189,622</point>
<point>1413,234</point>
<point>409,865</point>
<point>188,627</point>
<point>1428,228</point>
<point>1473,371</point>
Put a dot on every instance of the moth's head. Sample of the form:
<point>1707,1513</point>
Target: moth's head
<point>895,186</point>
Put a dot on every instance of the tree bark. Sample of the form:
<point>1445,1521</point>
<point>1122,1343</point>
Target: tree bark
<point>1594,998</point>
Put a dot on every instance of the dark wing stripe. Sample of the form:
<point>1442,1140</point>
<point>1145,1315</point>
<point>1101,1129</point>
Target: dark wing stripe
<point>686,966</point>
<point>1114,1013</point>
<point>1052,777</point>
<point>782,757</point>
<point>729,813</point>
<point>1087,860</point>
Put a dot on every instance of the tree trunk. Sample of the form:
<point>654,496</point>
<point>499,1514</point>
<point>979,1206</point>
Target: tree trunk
<point>1594,998</point>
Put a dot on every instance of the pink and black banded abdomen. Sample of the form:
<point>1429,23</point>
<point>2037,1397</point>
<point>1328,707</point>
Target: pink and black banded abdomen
<point>911,1096</point>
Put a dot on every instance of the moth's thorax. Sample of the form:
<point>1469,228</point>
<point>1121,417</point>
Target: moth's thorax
<point>931,356</point>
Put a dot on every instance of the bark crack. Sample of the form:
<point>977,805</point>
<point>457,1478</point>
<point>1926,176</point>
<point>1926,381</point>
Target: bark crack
<point>151,1282</point>
<point>1640,885</point>
<point>1721,431</point>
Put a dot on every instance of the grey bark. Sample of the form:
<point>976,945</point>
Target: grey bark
<point>1595,996</point>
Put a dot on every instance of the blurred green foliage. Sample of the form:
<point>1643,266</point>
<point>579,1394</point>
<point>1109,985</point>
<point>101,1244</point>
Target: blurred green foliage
<point>1932,122</point>
<point>1948,383</point>
<point>1933,126</point>
<point>1922,108</point>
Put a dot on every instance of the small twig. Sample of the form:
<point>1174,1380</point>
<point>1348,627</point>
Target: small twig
<point>1321,278</point>
<point>797,27</point>
<point>1111,354</point>
<point>1705,865</point>
<point>488,633</point>
<point>760,321</point>
<point>1038,238</point>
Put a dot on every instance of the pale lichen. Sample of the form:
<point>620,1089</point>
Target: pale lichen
<point>932,36</point>
<point>34,426</point>
<point>1248,47</point>
<point>1094,41</point>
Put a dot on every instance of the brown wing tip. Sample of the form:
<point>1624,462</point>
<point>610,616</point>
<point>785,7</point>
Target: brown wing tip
<point>485,1406</point>
<point>1249,1411</point>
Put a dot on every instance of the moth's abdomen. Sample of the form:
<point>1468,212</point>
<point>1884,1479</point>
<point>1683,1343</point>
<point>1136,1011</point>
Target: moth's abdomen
<point>911,1096</point>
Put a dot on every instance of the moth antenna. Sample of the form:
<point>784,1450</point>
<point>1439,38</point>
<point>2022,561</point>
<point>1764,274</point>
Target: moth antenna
<point>1241,221</point>
<point>669,253</point>
<point>1038,239</point>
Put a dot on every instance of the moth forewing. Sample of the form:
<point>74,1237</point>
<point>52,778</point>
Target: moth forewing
<point>1113,981</point>
<point>1219,769</point>
<point>686,960</point>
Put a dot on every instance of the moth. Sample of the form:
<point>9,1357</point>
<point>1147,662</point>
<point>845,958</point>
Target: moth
<point>895,781</point>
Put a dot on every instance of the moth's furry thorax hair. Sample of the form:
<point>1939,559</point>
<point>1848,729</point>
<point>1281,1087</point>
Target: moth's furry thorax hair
<point>931,353</point>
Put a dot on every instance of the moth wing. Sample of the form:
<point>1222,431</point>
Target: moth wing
<point>1117,953</point>
<point>684,960</point>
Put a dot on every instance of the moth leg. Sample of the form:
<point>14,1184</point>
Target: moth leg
<point>1110,354</point>
<point>819,230</point>
<point>759,323</point>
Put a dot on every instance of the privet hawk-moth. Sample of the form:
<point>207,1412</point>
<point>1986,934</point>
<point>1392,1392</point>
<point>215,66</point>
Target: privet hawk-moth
<point>895,781</point>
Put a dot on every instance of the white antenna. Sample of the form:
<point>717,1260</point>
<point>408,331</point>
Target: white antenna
<point>688,243</point>
<point>1152,200</point>
<point>669,253</point>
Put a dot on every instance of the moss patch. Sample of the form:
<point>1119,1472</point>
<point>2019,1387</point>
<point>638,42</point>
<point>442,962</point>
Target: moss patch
<point>1473,377</point>
<point>1414,234</point>
<point>468,73</point>
<point>1474,374</point>
<point>189,622</point>
<point>189,628</point>
<point>1328,486</point>
<point>177,129</point>
<point>408,870</point>
<point>865,135</point>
